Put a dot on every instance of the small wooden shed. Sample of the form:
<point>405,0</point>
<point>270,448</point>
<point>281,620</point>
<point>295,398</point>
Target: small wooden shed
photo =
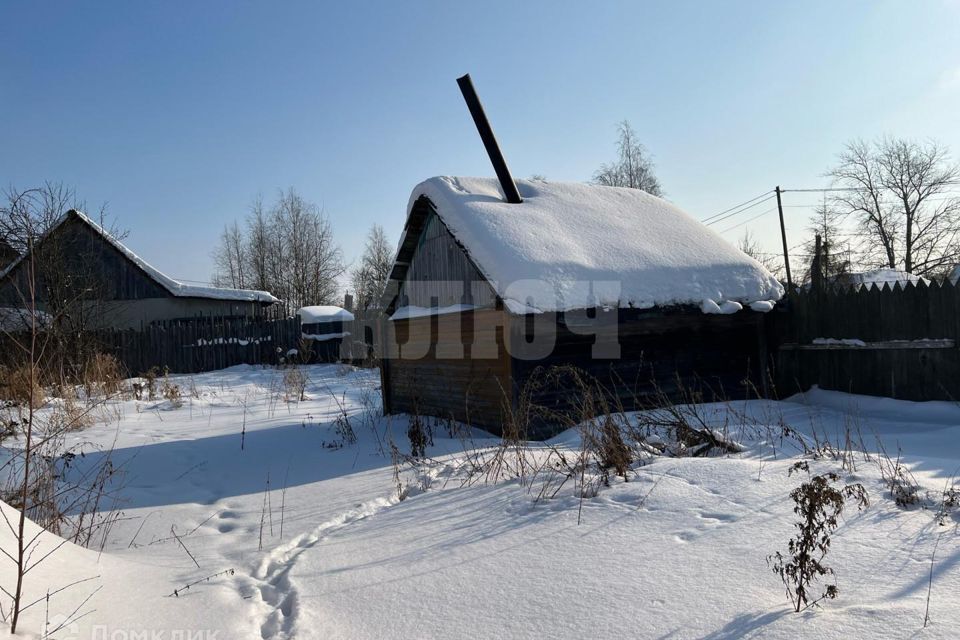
<point>325,327</point>
<point>618,283</point>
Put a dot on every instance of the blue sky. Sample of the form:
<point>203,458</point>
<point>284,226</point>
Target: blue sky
<point>177,114</point>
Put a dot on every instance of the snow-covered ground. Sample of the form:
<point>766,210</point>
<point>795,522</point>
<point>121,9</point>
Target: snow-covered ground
<point>303,535</point>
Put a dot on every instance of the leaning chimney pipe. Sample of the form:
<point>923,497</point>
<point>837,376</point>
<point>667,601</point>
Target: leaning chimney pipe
<point>489,140</point>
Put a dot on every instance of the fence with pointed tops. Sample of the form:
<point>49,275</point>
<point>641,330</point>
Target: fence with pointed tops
<point>898,341</point>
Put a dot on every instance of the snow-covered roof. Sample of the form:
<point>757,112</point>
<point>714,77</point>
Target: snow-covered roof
<point>324,313</point>
<point>20,319</point>
<point>175,287</point>
<point>954,276</point>
<point>572,245</point>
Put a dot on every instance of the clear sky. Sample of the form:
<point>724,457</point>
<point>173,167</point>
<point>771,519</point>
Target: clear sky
<point>177,114</point>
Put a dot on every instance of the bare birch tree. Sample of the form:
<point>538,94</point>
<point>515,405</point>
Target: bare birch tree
<point>633,168</point>
<point>369,277</point>
<point>898,192</point>
<point>231,259</point>
<point>288,250</point>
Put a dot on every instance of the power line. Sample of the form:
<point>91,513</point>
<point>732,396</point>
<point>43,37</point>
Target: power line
<point>740,224</point>
<point>716,215</point>
<point>828,189</point>
<point>824,189</point>
<point>715,219</point>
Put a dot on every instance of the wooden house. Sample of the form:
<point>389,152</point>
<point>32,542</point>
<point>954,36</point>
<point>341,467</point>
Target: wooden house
<point>92,274</point>
<point>7,254</point>
<point>622,285</point>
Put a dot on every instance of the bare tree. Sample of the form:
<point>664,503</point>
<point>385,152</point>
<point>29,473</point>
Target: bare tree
<point>771,262</point>
<point>836,255</point>
<point>633,168</point>
<point>897,190</point>
<point>289,250</point>
<point>32,357</point>
<point>230,259</point>
<point>258,246</point>
<point>70,290</point>
<point>370,276</point>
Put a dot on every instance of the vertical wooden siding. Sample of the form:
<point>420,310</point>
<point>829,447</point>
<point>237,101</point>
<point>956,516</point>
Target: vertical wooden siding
<point>441,274</point>
<point>681,353</point>
<point>893,322</point>
<point>450,366</point>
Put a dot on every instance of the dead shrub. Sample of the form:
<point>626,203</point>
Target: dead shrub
<point>819,504</point>
<point>903,487</point>
<point>149,384</point>
<point>294,385</point>
<point>171,392</point>
<point>102,375</point>
<point>606,442</point>
<point>21,384</point>
<point>417,435</point>
<point>74,417</point>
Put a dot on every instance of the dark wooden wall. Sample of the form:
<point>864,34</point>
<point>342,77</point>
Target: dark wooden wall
<point>909,333</point>
<point>449,366</point>
<point>466,366</point>
<point>96,269</point>
<point>679,353</point>
<point>186,346</point>
<point>441,274</point>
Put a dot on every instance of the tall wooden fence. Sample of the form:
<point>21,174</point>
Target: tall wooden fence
<point>898,341</point>
<point>207,343</point>
<point>202,344</point>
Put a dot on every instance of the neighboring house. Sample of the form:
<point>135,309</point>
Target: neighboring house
<point>7,254</point>
<point>618,283</point>
<point>93,275</point>
<point>954,276</point>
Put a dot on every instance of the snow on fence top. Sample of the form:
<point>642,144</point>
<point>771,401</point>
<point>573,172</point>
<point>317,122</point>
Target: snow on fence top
<point>571,245</point>
<point>324,313</point>
<point>879,277</point>
<point>176,288</point>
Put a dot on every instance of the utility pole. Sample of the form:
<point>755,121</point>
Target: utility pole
<point>783,236</point>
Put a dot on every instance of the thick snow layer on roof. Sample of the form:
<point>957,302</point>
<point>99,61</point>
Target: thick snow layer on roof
<point>19,319</point>
<point>570,246</point>
<point>176,288</point>
<point>323,313</point>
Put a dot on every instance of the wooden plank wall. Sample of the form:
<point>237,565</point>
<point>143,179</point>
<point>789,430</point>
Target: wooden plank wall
<point>449,366</point>
<point>440,273</point>
<point>194,345</point>
<point>680,353</point>
<point>892,322</point>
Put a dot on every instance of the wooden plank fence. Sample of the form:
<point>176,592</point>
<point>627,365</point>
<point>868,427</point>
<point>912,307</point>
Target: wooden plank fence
<point>898,341</point>
<point>202,343</point>
<point>206,343</point>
